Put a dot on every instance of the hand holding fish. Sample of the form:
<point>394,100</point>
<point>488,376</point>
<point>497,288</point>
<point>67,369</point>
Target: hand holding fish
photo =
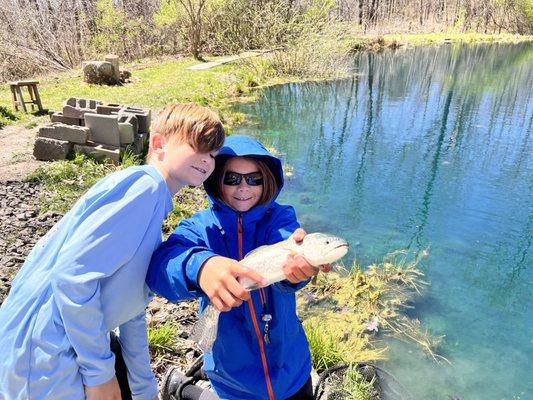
<point>317,249</point>
<point>296,267</point>
<point>218,278</point>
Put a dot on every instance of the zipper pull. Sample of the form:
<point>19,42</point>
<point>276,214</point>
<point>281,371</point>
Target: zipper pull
<point>266,318</point>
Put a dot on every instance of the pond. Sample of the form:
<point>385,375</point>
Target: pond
<point>427,148</point>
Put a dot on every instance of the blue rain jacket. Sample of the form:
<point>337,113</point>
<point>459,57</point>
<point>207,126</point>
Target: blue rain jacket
<point>85,277</point>
<point>235,366</point>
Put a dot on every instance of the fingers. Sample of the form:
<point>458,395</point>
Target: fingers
<point>299,235</point>
<point>229,293</point>
<point>218,278</point>
<point>298,269</point>
<point>242,272</point>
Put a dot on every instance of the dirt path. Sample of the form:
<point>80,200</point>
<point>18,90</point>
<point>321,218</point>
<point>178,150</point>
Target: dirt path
<point>16,152</point>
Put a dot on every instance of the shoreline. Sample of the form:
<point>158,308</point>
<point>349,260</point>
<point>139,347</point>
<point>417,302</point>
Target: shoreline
<point>185,353</point>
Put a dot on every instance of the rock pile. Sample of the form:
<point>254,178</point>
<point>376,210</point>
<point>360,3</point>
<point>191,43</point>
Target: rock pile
<point>22,227</point>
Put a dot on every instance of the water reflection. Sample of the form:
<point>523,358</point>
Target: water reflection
<point>427,147</point>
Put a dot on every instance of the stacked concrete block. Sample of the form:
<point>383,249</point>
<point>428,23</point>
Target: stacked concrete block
<point>77,108</point>
<point>96,129</point>
<point>108,109</point>
<point>48,149</point>
<point>69,133</point>
<point>104,129</point>
<point>143,116</point>
<point>99,152</point>
<point>59,117</point>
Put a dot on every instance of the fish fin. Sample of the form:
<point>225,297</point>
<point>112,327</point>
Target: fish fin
<point>204,332</point>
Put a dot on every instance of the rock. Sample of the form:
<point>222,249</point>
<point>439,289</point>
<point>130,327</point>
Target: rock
<point>22,227</point>
<point>99,73</point>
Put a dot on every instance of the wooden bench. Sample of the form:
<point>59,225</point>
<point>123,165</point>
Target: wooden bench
<point>18,99</point>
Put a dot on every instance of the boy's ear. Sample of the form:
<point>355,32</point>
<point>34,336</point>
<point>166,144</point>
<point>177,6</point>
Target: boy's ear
<point>157,143</point>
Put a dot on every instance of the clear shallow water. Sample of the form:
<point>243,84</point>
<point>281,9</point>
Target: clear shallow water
<point>429,147</point>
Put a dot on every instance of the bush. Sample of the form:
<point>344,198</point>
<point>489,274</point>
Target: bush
<point>6,116</point>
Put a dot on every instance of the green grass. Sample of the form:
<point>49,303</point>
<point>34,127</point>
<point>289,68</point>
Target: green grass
<point>326,350</point>
<point>162,337</point>
<point>356,387</point>
<point>65,181</point>
<point>154,84</point>
<point>6,116</point>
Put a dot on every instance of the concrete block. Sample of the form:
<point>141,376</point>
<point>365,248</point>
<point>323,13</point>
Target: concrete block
<point>59,117</point>
<point>104,129</point>
<point>71,112</point>
<point>99,152</point>
<point>51,149</point>
<point>78,102</point>
<point>143,116</point>
<point>126,132</point>
<point>70,133</point>
<point>130,119</point>
<point>47,130</point>
<point>108,109</point>
<point>72,101</point>
<point>77,107</point>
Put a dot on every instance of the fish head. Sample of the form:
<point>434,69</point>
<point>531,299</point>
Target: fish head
<point>323,248</point>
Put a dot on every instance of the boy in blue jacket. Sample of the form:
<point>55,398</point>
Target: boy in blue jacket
<point>261,351</point>
<point>87,275</point>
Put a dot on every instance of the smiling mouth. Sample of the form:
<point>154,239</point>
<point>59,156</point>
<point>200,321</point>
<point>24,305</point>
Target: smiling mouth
<point>246,199</point>
<point>203,171</point>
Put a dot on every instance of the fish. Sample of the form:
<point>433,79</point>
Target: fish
<point>317,248</point>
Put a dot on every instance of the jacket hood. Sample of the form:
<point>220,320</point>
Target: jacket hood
<point>243,146</point>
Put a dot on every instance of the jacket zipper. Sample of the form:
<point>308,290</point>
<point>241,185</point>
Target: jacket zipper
<point>254,319</point>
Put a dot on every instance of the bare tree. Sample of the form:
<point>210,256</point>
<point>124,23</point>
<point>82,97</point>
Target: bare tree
<point>194,9</point>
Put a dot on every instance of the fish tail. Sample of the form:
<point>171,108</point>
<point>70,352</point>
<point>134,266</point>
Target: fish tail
<point>204,332</point>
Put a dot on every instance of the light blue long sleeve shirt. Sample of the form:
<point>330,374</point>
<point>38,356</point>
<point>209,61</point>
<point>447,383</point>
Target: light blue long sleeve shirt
<point>84,278</point>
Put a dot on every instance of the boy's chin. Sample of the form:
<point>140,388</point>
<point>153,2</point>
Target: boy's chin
<point>195,182</point>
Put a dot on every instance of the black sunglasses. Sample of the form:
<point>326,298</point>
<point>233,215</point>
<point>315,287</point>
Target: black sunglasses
<point>233,178</point>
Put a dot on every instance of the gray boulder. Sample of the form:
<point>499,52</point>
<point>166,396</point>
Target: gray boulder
<point>99,72</point>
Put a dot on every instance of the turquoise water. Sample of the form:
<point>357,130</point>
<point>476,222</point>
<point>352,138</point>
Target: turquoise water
<point>429,147</point>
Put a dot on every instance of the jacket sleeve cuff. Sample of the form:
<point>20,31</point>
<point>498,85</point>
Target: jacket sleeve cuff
<point>149,394</point>
<point>194,265</point>
<point>95,380</point>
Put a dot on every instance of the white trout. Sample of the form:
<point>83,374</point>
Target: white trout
<point>268,261</point>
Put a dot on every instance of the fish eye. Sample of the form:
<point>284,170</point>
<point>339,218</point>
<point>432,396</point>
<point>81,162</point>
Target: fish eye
<point>327,241</point>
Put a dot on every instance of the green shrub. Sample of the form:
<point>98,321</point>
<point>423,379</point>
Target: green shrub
<point>6,116</point>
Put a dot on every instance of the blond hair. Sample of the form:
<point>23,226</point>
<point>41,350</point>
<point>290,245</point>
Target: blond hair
<point>190,123</point>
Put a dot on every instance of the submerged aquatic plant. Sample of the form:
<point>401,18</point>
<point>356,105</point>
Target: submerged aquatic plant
<point>376,299</point>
